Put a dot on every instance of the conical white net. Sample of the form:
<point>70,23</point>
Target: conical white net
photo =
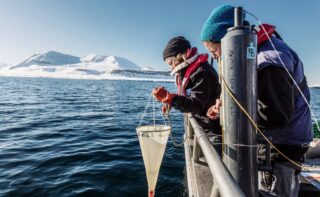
<point>153,140</point>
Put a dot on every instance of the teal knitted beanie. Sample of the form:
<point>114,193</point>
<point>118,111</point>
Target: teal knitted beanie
<point>215,27</point>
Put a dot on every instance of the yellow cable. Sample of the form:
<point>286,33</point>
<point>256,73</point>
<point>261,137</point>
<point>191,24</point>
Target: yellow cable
<point>256,126</point>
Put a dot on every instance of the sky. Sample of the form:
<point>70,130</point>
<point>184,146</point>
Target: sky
<point>139,29</point>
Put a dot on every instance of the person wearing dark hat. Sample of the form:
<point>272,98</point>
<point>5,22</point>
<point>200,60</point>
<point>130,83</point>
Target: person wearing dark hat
<point>283,114</point>
<point>197,81</point>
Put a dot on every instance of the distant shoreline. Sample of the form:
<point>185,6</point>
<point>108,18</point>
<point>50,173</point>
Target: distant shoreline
<point>95,79</point>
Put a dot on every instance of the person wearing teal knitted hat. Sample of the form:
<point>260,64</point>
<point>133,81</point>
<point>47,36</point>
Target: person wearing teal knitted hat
<point>220,19</point>
<point>282,114</point>
<point>215,28</point>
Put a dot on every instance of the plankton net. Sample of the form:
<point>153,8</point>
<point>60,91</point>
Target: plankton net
<point>153,140</point>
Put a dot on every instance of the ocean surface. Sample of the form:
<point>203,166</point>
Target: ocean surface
<point>77,138</point>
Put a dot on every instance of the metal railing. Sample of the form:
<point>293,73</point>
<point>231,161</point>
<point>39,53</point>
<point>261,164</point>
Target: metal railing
<point>223,183</point>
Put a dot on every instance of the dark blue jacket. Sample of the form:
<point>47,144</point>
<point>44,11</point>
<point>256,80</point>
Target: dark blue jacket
<point>282,111</point>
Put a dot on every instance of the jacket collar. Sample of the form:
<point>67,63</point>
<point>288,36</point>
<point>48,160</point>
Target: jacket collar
<point>184,64</point>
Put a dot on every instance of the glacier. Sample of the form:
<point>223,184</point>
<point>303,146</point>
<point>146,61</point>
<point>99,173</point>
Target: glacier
<point>53,64</point>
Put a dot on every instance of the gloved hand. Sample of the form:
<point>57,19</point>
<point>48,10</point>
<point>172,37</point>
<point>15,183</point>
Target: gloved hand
<point>162,95</point>
<point>213,111</point>
<point>165,109</point>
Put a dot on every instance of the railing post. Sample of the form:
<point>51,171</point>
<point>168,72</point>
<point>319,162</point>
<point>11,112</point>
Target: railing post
<point>189,129</point>
<point>190,135</point>
<point>214,191</point>
<point>196,150</point>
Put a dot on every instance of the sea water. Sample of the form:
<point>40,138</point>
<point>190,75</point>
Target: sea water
<point>78,138</point>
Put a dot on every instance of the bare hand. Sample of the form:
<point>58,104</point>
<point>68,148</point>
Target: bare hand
<point>213,111</point>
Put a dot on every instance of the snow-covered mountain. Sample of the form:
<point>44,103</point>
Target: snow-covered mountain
<point>110,62</point>
<point>49,58</point>
<point>54,64</point>
<point>93,58</point>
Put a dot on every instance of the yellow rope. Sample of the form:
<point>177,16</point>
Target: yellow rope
<point>256,126</point>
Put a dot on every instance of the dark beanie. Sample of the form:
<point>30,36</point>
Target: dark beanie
<point>175,46</point>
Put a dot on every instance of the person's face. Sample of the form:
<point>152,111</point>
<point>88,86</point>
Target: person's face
<point>214,48</point>
<point>172,62</point>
